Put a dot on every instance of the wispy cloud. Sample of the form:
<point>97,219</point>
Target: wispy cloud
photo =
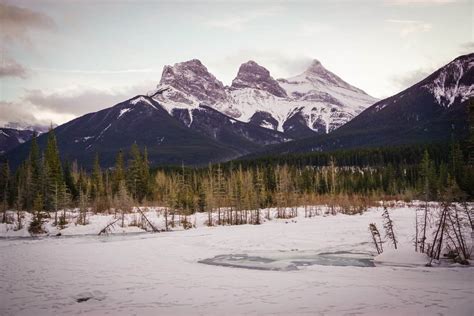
<point>17,23</point>
<point>20,115</point>
<point>407,27</point>
<point>408,79</point>
<point>96,72</point>
<point>78,100</point>
<point>279,64</point>
<point>41,107</point>
<point>16,26</point>
<point>11,68</point>
<point>240,20</point>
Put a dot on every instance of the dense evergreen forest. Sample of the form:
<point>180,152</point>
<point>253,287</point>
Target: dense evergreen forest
<point>349,179</point>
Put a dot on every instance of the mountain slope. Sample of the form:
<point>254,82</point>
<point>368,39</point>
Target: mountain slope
<point>433,110</point>
<point>11,138</point>
<point>214,136</point>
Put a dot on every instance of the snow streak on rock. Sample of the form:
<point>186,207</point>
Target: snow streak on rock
<point>448,85</point>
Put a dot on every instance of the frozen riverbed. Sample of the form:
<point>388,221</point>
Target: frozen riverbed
<point>167,273</point>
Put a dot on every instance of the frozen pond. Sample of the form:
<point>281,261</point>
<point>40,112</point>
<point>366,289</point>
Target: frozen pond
<point>291,260</point>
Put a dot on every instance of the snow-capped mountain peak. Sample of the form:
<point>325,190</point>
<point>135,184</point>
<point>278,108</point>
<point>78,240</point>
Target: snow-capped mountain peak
<point>317,75</point>
<point>316,101</point>
<point>315,68</point>
<point>252,75</point>
<point>193,79</point>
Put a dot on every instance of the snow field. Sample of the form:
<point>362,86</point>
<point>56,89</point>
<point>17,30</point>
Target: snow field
<point>159,274</point>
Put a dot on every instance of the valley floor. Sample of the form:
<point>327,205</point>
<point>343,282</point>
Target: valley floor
<point>161,273</point>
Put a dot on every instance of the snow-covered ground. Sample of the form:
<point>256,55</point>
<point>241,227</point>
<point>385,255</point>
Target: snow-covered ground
<point>161,273</point>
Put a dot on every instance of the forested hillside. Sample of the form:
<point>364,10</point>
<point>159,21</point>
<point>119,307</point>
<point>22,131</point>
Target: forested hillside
<point>350,179</point>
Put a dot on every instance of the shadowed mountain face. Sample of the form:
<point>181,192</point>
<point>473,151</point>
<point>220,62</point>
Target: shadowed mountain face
<point>11,138</point>
<point>433,110</point>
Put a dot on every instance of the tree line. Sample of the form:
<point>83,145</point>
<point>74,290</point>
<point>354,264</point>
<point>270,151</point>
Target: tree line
<point>236,190</point>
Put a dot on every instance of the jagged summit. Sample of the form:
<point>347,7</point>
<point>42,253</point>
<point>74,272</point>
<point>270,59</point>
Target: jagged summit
<point>314,67</point>
<point>316,101</point>
<point>193,78</point>
<point>252,75</point>
<point>317,74</point>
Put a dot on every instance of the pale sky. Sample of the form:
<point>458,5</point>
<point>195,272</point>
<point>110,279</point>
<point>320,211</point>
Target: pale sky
<point>63,59</point>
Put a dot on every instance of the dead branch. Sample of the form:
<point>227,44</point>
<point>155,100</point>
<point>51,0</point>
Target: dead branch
<point>151,225</point>
<point>105,230</point>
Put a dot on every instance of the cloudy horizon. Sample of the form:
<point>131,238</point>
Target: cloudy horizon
<point>63,59</point>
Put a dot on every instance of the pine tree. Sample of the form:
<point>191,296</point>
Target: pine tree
<point>19,206</point>
<point>119,173</point>
<point>4,188</point>
<point>52,172</point>
<point>36,225</point>
<point>470,143</point>
<point>64,200</point>
<point>70,182</point>
<point>4,177</point>
<point>145,174</point>
<point>34,171</point>
<point>135,173</point>
<point>96,180</point>
<point>428,179</point>
<point>456,161</point>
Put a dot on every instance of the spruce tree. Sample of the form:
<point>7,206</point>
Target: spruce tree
<point>119,173</point>
<point>52,172</point>
<point>34,171</point>
<point>97,188</point>
<point>428,178</point>
<point>70,182</point>
<point>4,189</point>
<point>145,169</point>
<point>135,173</point>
